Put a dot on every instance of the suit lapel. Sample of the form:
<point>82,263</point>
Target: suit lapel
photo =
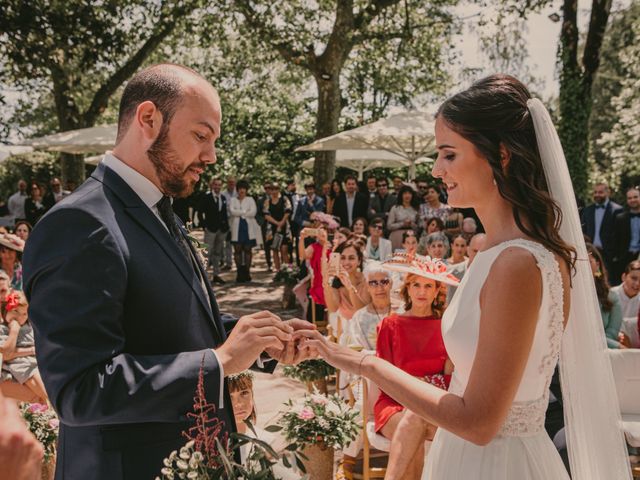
<point>144,217</point>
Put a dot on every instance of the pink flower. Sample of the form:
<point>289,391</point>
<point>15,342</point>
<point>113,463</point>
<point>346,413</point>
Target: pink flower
<point>319,399</point>
<point>38,408</point>
<point>306,413</point>
<point>54,423</point>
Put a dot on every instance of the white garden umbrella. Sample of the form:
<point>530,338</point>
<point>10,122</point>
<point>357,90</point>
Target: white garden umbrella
<point>408,135</point>
<point>364,160</point>
<point>7,150</point>
<point>85,140</point>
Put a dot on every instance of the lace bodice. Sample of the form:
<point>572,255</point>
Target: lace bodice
<point>461,324</point>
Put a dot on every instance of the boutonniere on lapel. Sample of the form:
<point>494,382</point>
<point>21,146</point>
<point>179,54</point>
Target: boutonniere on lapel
<point>199,247</point>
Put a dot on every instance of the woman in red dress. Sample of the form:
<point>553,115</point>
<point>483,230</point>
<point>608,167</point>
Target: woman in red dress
<point>413,342</point>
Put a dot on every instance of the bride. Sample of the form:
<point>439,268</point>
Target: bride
<point>505,328</point>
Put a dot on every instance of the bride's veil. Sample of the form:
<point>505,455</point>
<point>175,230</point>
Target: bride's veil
<point>592,416</point>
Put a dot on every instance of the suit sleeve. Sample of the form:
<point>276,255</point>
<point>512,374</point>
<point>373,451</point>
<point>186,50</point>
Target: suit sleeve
<point>76,283</point>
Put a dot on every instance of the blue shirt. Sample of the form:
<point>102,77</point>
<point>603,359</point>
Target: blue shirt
<point>634,244</point>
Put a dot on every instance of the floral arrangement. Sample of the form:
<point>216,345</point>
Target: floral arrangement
<point>43,423</point>
<point>209,454</point>
<point>288,274</point>
<point>319,420</point>
<point>309,370</point>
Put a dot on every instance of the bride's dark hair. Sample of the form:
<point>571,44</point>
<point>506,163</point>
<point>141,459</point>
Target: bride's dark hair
<point>491,113</point>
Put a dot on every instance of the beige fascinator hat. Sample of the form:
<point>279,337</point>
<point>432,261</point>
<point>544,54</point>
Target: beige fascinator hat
<point>423,266</point>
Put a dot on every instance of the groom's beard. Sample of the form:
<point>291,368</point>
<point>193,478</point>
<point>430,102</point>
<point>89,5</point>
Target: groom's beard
<point>173,180</point>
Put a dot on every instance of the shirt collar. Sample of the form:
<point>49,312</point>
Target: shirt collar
<point>144,188</point>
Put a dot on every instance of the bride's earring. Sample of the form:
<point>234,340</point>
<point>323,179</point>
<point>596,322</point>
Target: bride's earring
<point>495,184</point>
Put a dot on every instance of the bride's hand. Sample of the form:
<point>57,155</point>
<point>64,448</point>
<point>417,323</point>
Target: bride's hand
<point>339,356</point>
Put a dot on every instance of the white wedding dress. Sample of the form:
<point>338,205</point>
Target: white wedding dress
<point>522,450</point>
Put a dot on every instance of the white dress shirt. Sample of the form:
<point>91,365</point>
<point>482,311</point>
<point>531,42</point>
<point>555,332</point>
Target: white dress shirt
<point>598,218</point>
<point>150,195</point>
<point>15,204</point>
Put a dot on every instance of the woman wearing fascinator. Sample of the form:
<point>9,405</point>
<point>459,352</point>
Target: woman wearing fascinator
<point>528,300</point>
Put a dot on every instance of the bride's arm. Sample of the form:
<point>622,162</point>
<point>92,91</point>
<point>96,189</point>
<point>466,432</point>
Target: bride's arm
<point>510,300</point>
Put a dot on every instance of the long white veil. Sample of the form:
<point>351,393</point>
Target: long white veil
<point>597,449</point>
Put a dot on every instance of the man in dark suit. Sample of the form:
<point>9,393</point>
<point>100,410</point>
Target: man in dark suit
<point>597,223</point>
<point>382,202</point>
<point>123,314</point>
<point>213,217</point>
<point>351,204</point>
<point>627,234</point>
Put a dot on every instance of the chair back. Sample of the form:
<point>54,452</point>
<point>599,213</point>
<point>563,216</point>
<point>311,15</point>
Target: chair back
<point>626,372</point>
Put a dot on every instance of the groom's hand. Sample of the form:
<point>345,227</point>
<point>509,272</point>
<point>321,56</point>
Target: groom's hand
<point>252,335</point>
<point>291,354</point>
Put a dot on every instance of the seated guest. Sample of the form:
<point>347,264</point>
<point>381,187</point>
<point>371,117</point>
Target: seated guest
<point>17,345</point>
<point>22,229</point>
<point>361,330</point>
<point>432,225</point>
<point>413,342</point>
<point>244,411</point>
<point>436,245</point>
<point>457,262</point>
<point>610,309</point>
<point>345,289</point>
<point>476,244</point>
<point>403,216</point>
<point>11,247</point>
<point>469,228</point>
<point>629,296</point>
<point>342,235</point>
<point>377,247</point>
<point>359,226</point>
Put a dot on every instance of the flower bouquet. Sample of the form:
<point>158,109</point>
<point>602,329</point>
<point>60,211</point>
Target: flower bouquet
<point>43,423</point>
<point>313,372</point>
<point>317,425</point>
<point>209,455</point>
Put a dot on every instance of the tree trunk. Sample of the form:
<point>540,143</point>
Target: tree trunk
<point>575,87</point>
<point>329,108</point>
<point>72,168</point>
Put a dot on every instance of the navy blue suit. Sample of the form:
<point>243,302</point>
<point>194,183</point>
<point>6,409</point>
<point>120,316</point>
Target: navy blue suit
<point>122,326</point>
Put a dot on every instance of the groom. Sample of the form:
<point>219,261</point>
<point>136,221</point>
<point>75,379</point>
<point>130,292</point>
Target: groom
<point>123,313</point>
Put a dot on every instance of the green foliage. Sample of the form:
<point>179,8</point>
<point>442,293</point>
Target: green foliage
<point>621,145</point>
<point>309,370</point>
<point>613,124</point>
<point>37,167</point>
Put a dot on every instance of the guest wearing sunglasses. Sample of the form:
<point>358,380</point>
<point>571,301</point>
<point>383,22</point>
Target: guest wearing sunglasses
<point>377,248</point>
<point>361,330</point>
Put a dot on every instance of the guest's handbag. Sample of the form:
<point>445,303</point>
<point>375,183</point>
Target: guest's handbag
<point>278,238</point>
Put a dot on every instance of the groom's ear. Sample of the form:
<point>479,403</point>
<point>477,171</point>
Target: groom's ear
<point>148,120</point>
<point>505,157</point>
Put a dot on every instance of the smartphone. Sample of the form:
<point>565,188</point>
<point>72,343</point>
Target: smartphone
<point>312,232</point>
<point>334,261</point>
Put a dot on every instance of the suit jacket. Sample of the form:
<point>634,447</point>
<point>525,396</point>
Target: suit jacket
<point>607,234</point>
<point>380,208</point>
<point>306,208</point>
<point>385,249</point>
<point>122,326</point>
<point>622,232</point>
<point>212,216</point>
<point>360,206</point>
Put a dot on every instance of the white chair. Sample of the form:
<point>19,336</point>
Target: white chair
<point>626,372</point>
